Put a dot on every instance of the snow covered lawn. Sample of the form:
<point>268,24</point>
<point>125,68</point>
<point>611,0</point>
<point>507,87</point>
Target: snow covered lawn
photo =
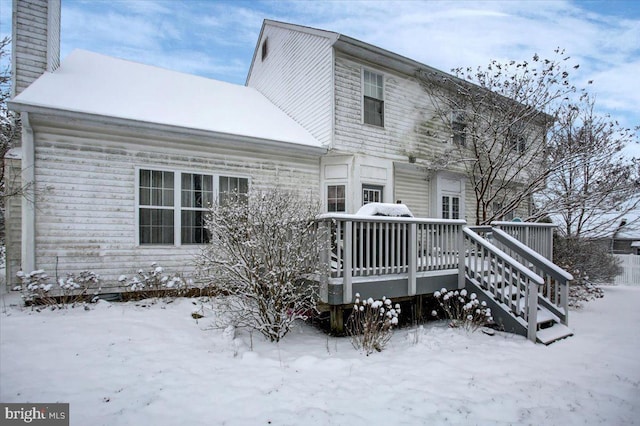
<point>125,364</point>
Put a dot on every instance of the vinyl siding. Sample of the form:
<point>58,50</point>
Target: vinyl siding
<point>296,77</point>
<point>36,40</point>
<point>412,188</point>
<point>86,189</point>
<point>411,126</point>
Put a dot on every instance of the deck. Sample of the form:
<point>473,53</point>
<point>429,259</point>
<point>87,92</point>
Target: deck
<point>401,258</point>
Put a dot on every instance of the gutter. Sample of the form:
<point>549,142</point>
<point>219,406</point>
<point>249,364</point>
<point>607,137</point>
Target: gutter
<point>212,138</point>
<point>28,197</point>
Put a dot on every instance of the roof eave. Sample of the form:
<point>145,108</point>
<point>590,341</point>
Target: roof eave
<point>104,121</point>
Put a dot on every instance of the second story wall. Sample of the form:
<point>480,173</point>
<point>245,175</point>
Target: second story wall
<point>411,127</point>
<point>293,69</point>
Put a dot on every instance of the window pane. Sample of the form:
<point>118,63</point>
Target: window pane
<point>455,208</point>
<point>156,226</point>
<point>335,198</point>
<point>445,207</point>
<point>373,112</point>
<point>232,187</point>
<point>156,188</point>
<point>193,227</point>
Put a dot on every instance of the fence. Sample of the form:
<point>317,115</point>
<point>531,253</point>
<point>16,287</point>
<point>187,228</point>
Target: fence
<point>630,264</point>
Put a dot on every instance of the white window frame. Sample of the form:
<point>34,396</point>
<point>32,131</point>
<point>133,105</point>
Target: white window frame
<point>373,187</point>
<point>381,98</point>
<point>326,197</point>
<point>177,200</point>
<point>450,197</point>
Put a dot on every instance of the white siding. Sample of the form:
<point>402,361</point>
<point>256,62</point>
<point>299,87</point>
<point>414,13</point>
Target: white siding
<point>85,186</point>
<point>296,77</point>
<point>36,40</point>
<point>411,126</point>
<point>412,188</point>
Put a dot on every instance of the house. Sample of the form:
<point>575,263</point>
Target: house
<point>626,237</point>
<point>118,161</point>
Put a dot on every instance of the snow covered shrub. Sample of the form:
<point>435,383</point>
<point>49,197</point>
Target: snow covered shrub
<point>371,323</point>
<point>155,282</point>
<point>462,309</point>
<point>38,288</point>
<point>74,288</point>
<point>36,285</point>
<point>263,255</point>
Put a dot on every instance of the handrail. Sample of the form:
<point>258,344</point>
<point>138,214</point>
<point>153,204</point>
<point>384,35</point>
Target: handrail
<point>554,294</point>
<point>523,224</point>
<point>359,218</point>
<point>531,255</point>
<point>537,279</point>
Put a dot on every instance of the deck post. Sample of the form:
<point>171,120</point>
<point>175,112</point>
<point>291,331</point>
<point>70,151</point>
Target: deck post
<point>461,258</point>
<point>413,258</point>
<point>532,310</point>
<point>336,319</point>
<point>347,291</point>
<point>565,301</point>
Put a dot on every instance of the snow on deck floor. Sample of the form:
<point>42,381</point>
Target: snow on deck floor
<point>122,364</point>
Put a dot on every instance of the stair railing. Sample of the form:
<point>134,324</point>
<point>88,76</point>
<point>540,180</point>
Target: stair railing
<point>554,293</point>
<point>504,278</point>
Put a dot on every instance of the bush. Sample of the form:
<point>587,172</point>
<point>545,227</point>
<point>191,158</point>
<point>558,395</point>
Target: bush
<point>590,261</point>
<point>155,282</point>
<point>264,256</point>
<point>371,323</point>
<point>37,288</point>
<point>463,311</point>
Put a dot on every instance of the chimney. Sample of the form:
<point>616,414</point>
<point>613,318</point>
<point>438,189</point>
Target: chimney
<point>35,41</point>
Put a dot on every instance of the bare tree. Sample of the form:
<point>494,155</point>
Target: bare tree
<point>498,117</point>
<point>591,185</point>
<point>9,122</point>
<point>263,256</point>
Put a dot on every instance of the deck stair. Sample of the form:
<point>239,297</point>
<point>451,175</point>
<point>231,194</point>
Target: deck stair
<point>530,300</point>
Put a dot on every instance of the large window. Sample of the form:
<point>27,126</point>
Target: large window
<point>336,201</point>
<point>373,102</point>
<point>170,201</point>
<point>450,207</point>
<point>371,194</point>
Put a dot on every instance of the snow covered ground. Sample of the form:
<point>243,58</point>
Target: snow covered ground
<point>128,364</point>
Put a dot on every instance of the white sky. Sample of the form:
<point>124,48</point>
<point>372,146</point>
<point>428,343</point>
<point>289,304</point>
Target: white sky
<point>216,38</point>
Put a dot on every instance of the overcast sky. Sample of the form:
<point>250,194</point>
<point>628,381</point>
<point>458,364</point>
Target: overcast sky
<point>216,38</point>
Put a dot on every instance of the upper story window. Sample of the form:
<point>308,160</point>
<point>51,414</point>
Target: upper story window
<point>373,98</point>
<point>336,200</point>
<point>459,129</point>
<point>516,139</point>
<point>173,205</point>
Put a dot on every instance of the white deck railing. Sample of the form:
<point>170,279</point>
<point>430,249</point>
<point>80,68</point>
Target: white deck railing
<point>504,278</point>
<point>537,236</point>
<point>554,293</point>
<point>366,246</point>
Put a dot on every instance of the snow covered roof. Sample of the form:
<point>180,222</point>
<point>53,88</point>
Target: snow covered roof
<point>92,83</point>
<point>384,209</point>
<point>635,244</point>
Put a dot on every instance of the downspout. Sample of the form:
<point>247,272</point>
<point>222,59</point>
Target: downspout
<point>28,197</point>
